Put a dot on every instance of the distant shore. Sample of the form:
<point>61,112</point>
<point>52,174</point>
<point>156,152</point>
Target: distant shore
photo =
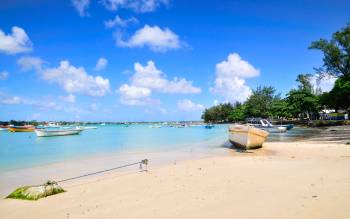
<point>306,179</point>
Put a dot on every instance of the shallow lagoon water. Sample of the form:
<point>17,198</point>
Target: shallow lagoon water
<point>23,150</point>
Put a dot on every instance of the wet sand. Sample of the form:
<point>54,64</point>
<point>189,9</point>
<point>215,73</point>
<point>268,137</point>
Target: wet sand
<point>307,179</point>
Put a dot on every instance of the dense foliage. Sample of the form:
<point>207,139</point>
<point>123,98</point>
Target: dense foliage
<point>303,102</point>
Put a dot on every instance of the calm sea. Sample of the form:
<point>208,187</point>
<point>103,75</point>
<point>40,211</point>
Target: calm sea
<point>23,150</point>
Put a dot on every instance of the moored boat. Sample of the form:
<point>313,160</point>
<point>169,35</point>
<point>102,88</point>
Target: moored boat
<point>282,128</point>
<point>24,128</point>
<point>58,132</point>
<point>288,126</point>
<point>209,126</point>
<point>247,137</point>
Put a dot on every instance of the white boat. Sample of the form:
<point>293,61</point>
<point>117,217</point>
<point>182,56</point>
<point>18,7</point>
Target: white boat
<point>3,129</point>
<point>59,132</point>
<point>155,126</point>
<point>282,128</point>
<point>247,137</point>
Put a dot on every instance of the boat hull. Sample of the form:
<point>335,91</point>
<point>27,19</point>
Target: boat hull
<point>50,133</point>
<point>14,129</point>
<point>247,137</point>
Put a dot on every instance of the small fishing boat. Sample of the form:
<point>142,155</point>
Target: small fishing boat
<point>209,126</point>
<point>282,128</point>
<point>58,132</point>
<point>24,128</point>
<point>288,126</point>
<point>155,126</point>
<point>247,137</point>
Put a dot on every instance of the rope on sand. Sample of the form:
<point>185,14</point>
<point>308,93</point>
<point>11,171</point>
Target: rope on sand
<point>35,192</point>
<point>142,163</point>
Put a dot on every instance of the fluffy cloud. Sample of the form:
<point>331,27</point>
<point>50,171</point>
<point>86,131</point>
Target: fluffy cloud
<point>16,42</point>
<point>4,75</point>
<point>140,6</point>
<point>69,98</point>
<point>136,96</point>
<point>157,39</point>
<point>28,63</point>
<point>76,80</point>
<point>230,78</point>
<point>72,79</point>
<point>149,77</point>
<point>119,22</point>
<point>81,6</point>
<point>324,84</point>
<point>101,64</point>
<point>188,105</point>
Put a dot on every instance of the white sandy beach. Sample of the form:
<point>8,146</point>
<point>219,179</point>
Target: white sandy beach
<point>283,180</point>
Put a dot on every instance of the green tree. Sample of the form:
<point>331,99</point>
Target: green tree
<point>260,102</point>
<point>336,53</point>
<point>238,113</point>
<point>281,109</point>
<point>302,101</point>
<point>218,113</point>
<point>338,97</point>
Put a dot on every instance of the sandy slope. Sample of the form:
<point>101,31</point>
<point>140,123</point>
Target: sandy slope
<point>282,180</point>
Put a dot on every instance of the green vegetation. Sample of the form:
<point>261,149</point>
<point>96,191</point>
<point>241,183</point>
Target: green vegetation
<point>304,102</point>
<point>33,193</point>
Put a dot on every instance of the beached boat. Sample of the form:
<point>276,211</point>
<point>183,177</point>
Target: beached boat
<point>247,137</point>
<point>24,128</point>
<point>58,132</point>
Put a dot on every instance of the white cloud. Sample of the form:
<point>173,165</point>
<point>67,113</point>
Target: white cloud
<point>325,84</point>
<point>28,63</point>
<point>230,78</point>
<point>132,95</point>
<point>101,64</point>
<point>188,105</point>
<point>70,98</point>
<point>4,75</point>
<point>76,80</point>
<point>133,92</point>
<point>140,6</point>
<point>72,79</point>
<point>157,39</point>
<point>120,22</point>
<point>149,77</point>
<point>16,42</point>
<point>81,6</point>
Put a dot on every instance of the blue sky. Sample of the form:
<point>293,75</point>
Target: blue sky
<point>159,59</point>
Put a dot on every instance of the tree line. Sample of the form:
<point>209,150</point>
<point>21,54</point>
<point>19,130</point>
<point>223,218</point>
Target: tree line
<point>305,101</point>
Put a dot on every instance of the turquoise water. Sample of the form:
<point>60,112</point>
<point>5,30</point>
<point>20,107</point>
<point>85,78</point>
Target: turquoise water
<point>21,150</point>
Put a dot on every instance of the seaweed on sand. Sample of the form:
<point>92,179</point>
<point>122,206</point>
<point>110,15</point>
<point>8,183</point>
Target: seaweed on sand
<point>36,192</point>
